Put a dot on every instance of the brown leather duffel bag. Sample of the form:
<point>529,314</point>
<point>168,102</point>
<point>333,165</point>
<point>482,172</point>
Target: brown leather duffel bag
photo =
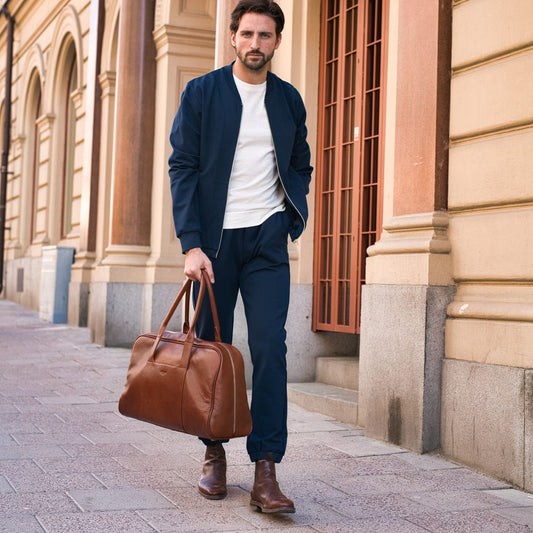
<point>187,384</point>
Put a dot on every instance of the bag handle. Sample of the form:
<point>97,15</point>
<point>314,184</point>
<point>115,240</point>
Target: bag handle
<point>189,330</point>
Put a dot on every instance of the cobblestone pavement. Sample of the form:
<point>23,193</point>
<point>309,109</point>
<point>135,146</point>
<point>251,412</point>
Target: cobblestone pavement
<point>70,462</point>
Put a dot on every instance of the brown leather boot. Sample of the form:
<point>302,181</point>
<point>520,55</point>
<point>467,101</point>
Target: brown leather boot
<point>266,494</point>
<point>212,484</point>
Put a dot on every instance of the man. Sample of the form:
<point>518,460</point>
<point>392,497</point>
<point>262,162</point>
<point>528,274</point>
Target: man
<point>239,174</point>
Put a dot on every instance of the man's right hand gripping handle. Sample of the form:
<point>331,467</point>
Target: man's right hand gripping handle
<point>195,262</point>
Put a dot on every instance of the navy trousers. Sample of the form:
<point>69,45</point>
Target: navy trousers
<point>255,261</point>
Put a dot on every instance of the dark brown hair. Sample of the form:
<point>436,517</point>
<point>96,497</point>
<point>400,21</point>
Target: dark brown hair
<point>262,7</point>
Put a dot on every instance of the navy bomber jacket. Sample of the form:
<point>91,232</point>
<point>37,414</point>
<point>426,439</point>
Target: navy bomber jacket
<point>204,137</point>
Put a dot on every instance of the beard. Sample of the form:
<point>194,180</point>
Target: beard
<point>254,63</point>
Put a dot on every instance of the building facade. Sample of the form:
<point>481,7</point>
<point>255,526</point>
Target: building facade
<point>416,258</point>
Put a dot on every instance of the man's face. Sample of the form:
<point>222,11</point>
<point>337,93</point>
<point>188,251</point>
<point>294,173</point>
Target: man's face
<point>255,40</point>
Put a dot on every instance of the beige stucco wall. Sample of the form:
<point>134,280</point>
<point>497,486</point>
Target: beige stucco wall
<point>40,32</point>
<point>487,378</point>
<point>490,186</point>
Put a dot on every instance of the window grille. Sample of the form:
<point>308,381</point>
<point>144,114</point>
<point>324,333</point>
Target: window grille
<point>348,194</point>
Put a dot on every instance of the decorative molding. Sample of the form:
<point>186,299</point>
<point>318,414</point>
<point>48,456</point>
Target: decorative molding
<point>69,22</point>
<point>17,145</point>
<point>45,122</point>
<point>108,80</point>
<point>77,98</point>
<point>84,261</point>
<point>207,8</point>
<point>196,41</point>
<point>421,233</point>
<point>126,255</point>
<point>508,302</point>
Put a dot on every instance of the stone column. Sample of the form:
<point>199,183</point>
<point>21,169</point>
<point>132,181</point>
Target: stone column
<point>92,131</point>
<point>134,129</point>
<point>117,284</point>
<point>78,299</point>
<point>409,283</point>
<point>224,52</point>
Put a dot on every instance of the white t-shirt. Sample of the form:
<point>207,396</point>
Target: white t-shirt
<point>255,191</point>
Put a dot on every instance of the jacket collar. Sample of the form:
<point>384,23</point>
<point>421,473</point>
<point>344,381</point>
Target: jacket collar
<point>228,73</point>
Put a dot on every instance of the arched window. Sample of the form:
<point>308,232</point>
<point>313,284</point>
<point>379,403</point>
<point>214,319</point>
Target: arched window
<point>34,112</point>
<point>69,142</point>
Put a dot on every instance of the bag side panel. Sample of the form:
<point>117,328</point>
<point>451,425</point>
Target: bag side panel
<point>154,388</point>
<point>199,387</point>
<point>231,414</point>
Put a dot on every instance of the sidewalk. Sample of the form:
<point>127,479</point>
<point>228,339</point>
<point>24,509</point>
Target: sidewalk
<point>69,462</point>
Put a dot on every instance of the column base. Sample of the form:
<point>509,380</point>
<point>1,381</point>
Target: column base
<point>492,432</point>
<point>401,352</point>
<point>120,312</point>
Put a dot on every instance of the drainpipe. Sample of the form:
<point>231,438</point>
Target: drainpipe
<point>7,138</point>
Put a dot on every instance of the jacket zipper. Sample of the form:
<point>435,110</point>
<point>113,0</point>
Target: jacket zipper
<point>285,190</point>
<point>227,188</point>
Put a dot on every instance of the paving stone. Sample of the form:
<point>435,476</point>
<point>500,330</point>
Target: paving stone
<point>195,520</point>
<point>7,407</point>
<point>69,400</point>
<point>155,449</point>
<point>314,490</point>
<point>36,502</point>
<point>382,484</point>
<point>388,464</point>
<point>513,496</point>
<point>129,437</point>
<point>27,452</point>
<point>380,505</point>
<point>360,446</point>
<point>58,482</point>
<point>16,420</point>
<point>101,450</point>
<point>156,463</point>
<point>468,521</point>
<point>312,514</point>
<point>81,464</point>
<point>104,522</point>
<point>22,466</point>
<point>520,515</point>
<point>307,426</point>
<point>103,407</point>
<point>374,525</point>
<point>118,499</point>
<point>26,439</point>
<point>462,478</point>
<point>14,427</point>
<point>30,405</point>
<point>7,440</point>
<point>458,500</point>
<point>23,522</point>
<point>426,461</point>
<point>187,497</point>
<point>156,480</point>
<point>301,453</point>
<point>4,485</point>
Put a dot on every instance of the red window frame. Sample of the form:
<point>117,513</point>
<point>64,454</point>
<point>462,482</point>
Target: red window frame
<point>349,157</point>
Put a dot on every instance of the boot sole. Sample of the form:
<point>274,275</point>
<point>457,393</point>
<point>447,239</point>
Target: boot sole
<point>288,510</point>
<point>212,496</point>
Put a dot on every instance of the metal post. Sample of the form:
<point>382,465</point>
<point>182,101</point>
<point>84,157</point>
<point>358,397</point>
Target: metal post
<point>7,139</point>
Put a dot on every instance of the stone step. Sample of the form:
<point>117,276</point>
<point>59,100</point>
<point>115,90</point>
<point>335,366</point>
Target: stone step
<point>337,402</point>
<point>338,371</point>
